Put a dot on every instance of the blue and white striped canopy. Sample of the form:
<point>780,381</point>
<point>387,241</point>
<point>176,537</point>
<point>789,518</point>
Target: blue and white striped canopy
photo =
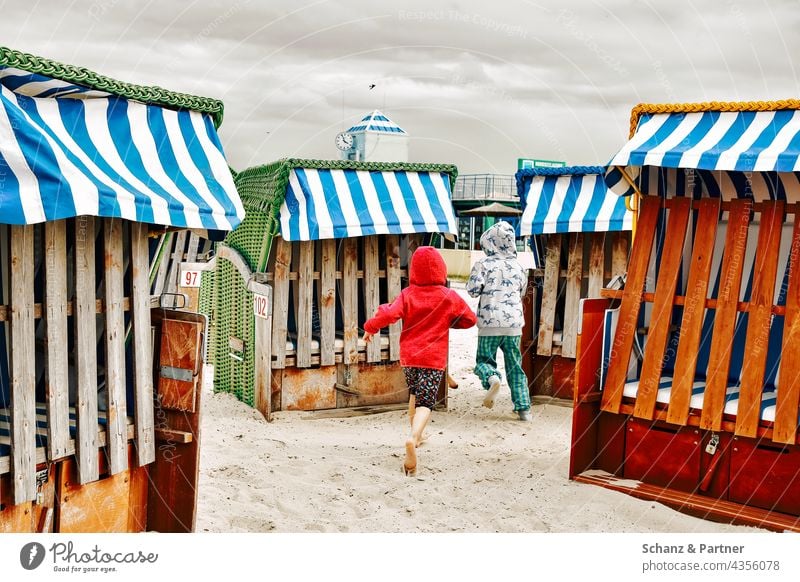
<point>569,199</point>
<point>338,203</point>
<point>67,150</point>
<point>730,154</point>
<point>377,122</point>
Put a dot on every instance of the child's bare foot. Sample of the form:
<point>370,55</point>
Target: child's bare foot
<point>451,382</point>
<point>422,440</point>
<point>410,464</point>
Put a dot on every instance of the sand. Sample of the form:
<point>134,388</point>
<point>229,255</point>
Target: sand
<point>481,470</point>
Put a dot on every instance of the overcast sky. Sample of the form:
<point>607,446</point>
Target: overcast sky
<point>477,83</point>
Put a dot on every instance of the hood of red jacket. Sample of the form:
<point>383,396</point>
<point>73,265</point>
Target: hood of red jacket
<point>427,267</point>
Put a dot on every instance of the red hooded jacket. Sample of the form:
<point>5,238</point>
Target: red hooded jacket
<point>428,310</point>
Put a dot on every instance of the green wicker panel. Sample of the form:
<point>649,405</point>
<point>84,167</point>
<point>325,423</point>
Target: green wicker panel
<point>234,319</point>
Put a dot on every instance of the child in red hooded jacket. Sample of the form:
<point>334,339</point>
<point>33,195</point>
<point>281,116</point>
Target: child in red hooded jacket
<point>428,310</point>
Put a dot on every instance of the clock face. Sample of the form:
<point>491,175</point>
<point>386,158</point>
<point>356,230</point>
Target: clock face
<point>344,141</point>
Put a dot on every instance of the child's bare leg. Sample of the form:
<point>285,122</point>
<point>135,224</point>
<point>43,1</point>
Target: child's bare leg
<point>412,406</point>
<point>421,416</point>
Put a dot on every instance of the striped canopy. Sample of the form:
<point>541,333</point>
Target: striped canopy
<point>323,203</point>
<point>377,122</point>
<point>712,153</point>
<point>569,199</point>
<point>104,148</point>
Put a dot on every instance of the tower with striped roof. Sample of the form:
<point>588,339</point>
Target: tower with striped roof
<point>377,139</point>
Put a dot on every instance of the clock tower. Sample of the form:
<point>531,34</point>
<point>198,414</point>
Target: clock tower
<point>374,139</point>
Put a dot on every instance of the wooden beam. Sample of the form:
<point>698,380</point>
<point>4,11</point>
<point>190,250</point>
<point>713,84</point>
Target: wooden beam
<point>725,317</point>
<point>372,297</point>
<point>56,371</point>
<point>263,351</point>
<point>788,397</point>
<point>350,299</point>
<point>661,317</point>
<point>23,362</point>
<point>393,287</point>
<point>619,253</point>
<point>304,288</point>
<point>327,302</point>
<point>142,350</point>
<point>86,350</point>
<point>547,316</point>
<point>572,295</point>
<point>756,344</point>
<point>631,303</point>
<point>694,310</point>
<point>167,241</point>
<point>280,290</point>
<point>115,345</point>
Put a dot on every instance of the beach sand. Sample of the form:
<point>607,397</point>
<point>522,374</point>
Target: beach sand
<point>481,470</point>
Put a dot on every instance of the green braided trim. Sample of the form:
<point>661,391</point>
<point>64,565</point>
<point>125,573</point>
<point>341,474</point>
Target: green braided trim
<point>263,188</point>
<point>92,80</point>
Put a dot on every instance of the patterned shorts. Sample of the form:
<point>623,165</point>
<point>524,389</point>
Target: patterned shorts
<point>424,384</point>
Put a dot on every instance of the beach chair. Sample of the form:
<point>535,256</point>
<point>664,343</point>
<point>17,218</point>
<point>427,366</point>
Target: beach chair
<point>99,396</point>
<point>705,419</point>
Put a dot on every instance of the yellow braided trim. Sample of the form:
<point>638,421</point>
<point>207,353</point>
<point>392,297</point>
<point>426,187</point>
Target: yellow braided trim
<point>642,108</point>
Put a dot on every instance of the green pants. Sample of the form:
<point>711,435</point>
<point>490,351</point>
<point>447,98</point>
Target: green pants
<point>486,366</point>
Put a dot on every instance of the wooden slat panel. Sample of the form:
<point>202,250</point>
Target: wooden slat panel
<point>694,309</point>
<point>327,302</point>
<point>350,299</point>
<point>174,262</point>
<point>596,264</point>
<point>725,317</point>
<point>163,267</point>
<point>631,303</point>
<point>619,254</point>
<point>86,350</point>
<point>303,293</point>
<point>23,361</point>
<point>572,295</point>
<point>142,350</point>
<point>759,319</point>
<point>283,263</point>
<point>56,371</point>
<point>115,345</point>
<point>191,251</point>
<point>372,298</point>
<point>661,317</point>
<point>393,286</point>
<point>544,346</point>
<point>788,397</point>
<point>263,359</point>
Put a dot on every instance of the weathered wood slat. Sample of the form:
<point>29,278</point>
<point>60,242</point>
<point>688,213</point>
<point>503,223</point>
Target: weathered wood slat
<point>694,309</point>
<point>56,371</point>
<point>327,302</point>
<point>263,356</point>
<point>280,289</point>
<point>631,303</point>
<point>142,350</point>
<point>661,317</point>
<point>372,298</point>
<point>115,345</point>
<point>544,345</point>
<point>788,397</point>
<point>191,250</point>
<point>759,319</point>
<point>619,254</point>
<point>572,295</point>
<point>175,261</point>
<point>725,317</point>
<point>350,299</point>
<point>596,264</point>
<point>163,268</point>
<point>304,291</point>
<point>393,286</point>
<point>86,350</point>
<point>23,361</point>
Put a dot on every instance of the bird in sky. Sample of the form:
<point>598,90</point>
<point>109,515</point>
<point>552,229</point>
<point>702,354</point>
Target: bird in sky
<point>372,86</point>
